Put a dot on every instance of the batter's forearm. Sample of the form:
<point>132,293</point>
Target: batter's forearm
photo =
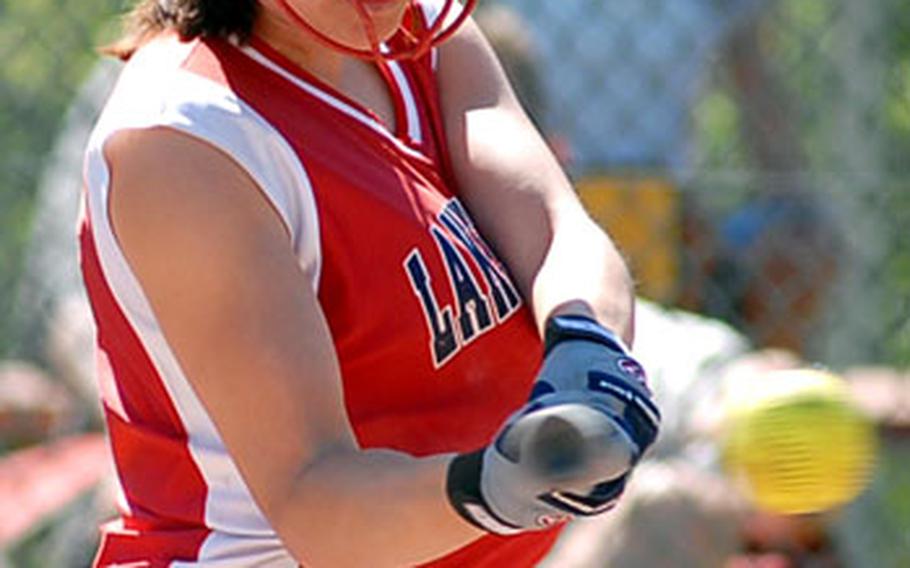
<point>584,273</point>
<point>370,508</point>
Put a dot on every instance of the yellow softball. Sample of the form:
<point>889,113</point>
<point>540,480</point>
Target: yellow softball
<point>797,442</point>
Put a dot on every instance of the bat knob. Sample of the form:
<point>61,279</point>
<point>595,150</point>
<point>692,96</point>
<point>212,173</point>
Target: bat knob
<point>572,444</point>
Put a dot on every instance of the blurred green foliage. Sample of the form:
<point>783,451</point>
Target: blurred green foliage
<point>46,46</point>
<point>897,145</point>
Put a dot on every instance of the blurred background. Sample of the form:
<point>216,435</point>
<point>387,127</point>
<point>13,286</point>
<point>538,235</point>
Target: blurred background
<point>750,157</point>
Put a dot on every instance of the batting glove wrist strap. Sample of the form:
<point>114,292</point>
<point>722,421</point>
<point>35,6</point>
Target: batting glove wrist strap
<point>566,327</point>
<point>463,486</point>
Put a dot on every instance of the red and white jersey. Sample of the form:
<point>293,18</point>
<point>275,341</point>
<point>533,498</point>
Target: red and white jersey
<point>435,344</point>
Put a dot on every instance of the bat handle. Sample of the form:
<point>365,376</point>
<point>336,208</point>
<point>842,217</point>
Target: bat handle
<point>573,444</point>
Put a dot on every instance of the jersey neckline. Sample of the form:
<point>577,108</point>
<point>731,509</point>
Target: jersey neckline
<point>402,131</point>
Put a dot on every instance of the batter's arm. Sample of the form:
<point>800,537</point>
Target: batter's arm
<point>243,320</point>
<point>520,197</point>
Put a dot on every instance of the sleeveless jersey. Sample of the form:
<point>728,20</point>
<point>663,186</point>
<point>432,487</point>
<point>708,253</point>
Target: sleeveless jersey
<point>435,345</point>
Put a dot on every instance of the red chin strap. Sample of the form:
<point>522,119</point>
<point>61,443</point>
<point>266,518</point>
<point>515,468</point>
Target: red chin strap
<point>417,43</point>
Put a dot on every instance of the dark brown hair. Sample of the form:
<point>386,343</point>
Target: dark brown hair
<point>188,18</point>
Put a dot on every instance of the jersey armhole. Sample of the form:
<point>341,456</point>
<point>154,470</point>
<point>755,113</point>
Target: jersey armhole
<point>199,108</point>
<point>275,168</point>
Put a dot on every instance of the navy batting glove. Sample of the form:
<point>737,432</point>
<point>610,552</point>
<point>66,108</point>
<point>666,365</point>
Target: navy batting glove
<point>583,359</point>
<point>570,450</point>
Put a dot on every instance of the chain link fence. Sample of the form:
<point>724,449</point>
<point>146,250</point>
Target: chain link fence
<point>751,157</point>
<point>756,116</point>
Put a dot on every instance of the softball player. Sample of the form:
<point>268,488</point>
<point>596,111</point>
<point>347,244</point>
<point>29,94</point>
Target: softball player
<point>321,246</point>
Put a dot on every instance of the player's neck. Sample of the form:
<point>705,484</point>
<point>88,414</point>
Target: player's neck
<point>301,48</point>
<point>356,78</point>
